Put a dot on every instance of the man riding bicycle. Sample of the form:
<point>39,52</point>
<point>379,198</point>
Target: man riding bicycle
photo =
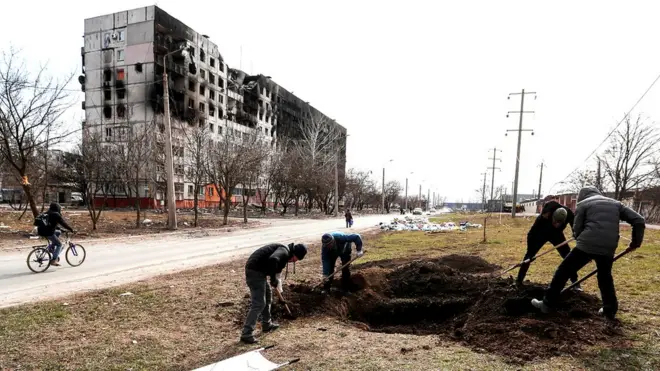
<point>51,232</point>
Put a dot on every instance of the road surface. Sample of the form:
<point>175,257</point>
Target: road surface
<point>117,262</point>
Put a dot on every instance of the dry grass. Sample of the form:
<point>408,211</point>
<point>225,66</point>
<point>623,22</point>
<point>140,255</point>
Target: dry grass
<point>175,323</point>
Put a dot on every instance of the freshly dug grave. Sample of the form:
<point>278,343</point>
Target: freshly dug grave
<point>456,298</point>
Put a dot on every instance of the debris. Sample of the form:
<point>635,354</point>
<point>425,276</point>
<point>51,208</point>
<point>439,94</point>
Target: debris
<point>134,341</point>
<point>65,304</point>
<point>409,223</point>
<point>224,304</point>
<point>128,293</point>
<point>147,222</point>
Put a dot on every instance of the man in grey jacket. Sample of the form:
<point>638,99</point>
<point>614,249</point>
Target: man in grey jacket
<point>596,230</point>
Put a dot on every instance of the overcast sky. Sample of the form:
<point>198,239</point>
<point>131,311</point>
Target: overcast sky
<point>424,83</point>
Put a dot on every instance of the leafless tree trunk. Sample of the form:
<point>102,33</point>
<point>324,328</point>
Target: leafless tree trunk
<point>30,112</point>
<point>629,155</point>
<point>197,153</point>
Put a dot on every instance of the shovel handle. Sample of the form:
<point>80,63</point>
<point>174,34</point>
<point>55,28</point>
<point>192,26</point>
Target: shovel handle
<point>622,253</point>
<point>526,261</point>
<point>279,295</point>
<point>338,270</point>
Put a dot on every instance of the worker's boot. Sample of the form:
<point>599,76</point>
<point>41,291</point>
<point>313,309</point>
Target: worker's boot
<point>539,304</point>
<point>249,339</point>
<point>270,327</point>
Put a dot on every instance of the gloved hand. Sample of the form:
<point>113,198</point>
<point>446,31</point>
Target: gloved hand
<point>360,253</point>
<point>632,248</point>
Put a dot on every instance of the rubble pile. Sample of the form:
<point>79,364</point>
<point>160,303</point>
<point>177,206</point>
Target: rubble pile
<point>418,223</point>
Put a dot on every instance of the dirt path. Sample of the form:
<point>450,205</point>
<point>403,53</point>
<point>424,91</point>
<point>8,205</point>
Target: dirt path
<point>111,263</point>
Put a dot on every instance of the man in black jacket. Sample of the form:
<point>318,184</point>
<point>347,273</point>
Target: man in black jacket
<point>266,261</point>
<point>548,227</point>
<point>596,231</point>
<point>51,232</point>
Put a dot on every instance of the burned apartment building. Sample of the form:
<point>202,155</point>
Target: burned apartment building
<point>124,57</point>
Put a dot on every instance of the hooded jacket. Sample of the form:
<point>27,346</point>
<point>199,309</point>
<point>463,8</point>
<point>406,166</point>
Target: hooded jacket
<point>543,228</point>
<point>597,218</point>
<point>55,218</point>
<point>270,260</point>
<point>338,243</point>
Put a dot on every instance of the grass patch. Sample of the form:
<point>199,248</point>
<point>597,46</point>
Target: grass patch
<point>193,318</point>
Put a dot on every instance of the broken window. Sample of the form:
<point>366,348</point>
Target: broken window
<point>202,90</point>
<point>202,55</point>
<point>211,127</point>
<point>107,111</point>
<point>120,74</point>
<point>191,85</point>
<point>220,98</point>
<point>107,56</point>
<point>211,94</point>
<point>212,62</point>
<point>191,103</point>
<point>107,75</point>
<point>202,73</point>
<point>138,67</point>
<point>221,67</point>
<point>221,82</point>
<point>219,129</point>
<point>211,110</point>
<point>190,190</point>
<point>201,123</point>
<point>121,110</point>
<point>191,50</point>
<point>178,169</point>
<point>107,94</point>
<point>212,78</point>
<point>120,55</point>
<point>121,35</point>
<point>108,132</point>
<point>202,107</point>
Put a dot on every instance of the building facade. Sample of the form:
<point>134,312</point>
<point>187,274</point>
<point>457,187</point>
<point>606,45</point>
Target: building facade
<point>124,57</point>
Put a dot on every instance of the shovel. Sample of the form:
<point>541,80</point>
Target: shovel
<point>337,271</point>
<point>526,261</point>
<point>624,252</point>
<point>279,295</point>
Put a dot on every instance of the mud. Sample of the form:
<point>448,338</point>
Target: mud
<point>458,299</point>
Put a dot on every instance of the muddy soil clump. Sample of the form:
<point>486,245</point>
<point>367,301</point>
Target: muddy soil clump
<point>455,298</point>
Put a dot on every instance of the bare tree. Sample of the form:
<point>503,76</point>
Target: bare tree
<point>30,111</point>
<point>267,178</point>
<point>578,180</point>
<point>392,191</point>
<point>229,160</point>
<point>93,171</point>
<point>197,154</point>
<point>629,155</point>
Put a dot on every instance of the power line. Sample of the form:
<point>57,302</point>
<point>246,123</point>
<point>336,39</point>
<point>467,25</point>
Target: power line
<point>611,132</point>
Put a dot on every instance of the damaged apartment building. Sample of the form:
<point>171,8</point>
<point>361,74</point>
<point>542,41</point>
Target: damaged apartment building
<point>124,57</point>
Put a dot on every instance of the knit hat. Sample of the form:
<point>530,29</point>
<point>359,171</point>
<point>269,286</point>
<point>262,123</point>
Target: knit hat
<point>327,240</point>
<point>300,250</point>
<point>560,215</point>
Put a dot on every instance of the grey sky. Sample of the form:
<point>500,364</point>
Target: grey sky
<point>422,82</point>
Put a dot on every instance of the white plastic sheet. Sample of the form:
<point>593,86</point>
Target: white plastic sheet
<point>422,224</point>
<point>250,361</point>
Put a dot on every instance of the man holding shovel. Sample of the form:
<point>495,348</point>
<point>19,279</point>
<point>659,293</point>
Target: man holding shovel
<point>548,227</point>
<point>596,231</point>
<point>338,245</point>
<point>266,261</point>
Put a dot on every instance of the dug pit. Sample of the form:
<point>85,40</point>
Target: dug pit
<point>457,298</point>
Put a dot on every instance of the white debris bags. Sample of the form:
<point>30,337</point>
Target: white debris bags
<point>418,223</point>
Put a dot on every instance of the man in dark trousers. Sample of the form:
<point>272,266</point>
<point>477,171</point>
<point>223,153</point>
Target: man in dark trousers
<point>266,261</point>
<point>596,230</point>
<point>338,245</point>
<point>548,227</point>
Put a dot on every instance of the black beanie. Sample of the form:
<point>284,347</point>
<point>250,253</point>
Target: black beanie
<point>300,250</point>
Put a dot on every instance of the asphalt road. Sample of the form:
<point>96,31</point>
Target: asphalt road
<point>111,263</point>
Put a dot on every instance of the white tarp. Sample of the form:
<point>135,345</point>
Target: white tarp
<point>422,224</point>
<point>250,361</point>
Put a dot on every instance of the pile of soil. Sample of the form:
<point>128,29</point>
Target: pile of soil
<point>456,298</point>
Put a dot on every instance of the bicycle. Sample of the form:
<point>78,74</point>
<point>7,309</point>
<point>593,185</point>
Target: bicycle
<point>42,254</point>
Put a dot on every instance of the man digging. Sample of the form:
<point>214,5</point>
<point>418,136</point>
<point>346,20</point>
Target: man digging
<point>338,245</point>
<point>269,260</point>
<point>596,231</point>
<point>548,227</point>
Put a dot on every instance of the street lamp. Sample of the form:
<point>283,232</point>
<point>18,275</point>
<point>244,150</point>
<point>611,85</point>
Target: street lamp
<point>406,199</point>
<point>169,161</point>
<point>383,188</point>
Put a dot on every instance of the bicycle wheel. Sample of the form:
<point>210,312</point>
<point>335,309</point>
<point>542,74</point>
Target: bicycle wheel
<point>75,254</point>
<point>40,256</point>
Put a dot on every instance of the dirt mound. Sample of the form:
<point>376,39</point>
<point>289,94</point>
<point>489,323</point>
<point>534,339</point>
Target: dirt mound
<point>447,297</point>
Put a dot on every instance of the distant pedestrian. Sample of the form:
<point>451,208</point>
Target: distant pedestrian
<point>349,218</point>
<point>266,261</point>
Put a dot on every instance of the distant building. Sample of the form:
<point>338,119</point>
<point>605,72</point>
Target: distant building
<point>124,57</point>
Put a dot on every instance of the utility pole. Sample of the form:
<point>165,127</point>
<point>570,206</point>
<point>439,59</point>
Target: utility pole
<point>428,200</point>
<point>420,195</point>
<point>540,179</point>
<point>383,192</point>
<point>337,184</point>
<point>519,130</point>
<point>493,168</point>
<point>483,191</point>
<point>406,200</point>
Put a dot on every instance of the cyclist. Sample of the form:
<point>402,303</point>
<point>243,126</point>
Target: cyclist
<point>53,233</point>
